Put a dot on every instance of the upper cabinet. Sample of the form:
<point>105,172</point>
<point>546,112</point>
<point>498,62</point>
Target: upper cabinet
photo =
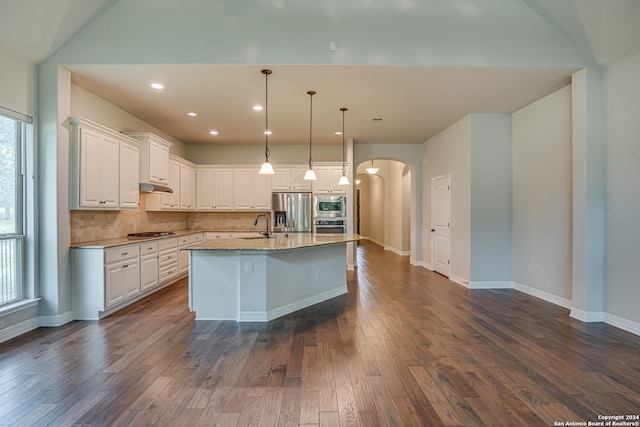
<point>252,190</point>
<point>214,188</point>
<point>154,158</point>
<point>328,177</point>
<point>104,167</point>
<point>182,178</point>
<point>290,179</point>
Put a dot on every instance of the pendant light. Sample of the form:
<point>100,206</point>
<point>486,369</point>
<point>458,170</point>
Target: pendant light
<point>266,168</point>
<point>343,179</point>
<point>310,174</point>
<point>372,170</point>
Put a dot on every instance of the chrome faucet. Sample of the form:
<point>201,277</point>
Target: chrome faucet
<point>266,220</point>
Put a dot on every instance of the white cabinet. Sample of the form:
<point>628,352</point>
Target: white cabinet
<point>327,182</point>
<point>183,178</point>
<point>122,274</point>
<point>214,188</point>
<point>129,175</point>
<point>187,186</point>
<point>183,256</point>
<point>171,201</point>
<point>148,265</point>
<point>154,158</point>
<point>290,179</point>
<point>167,259</point>
<point>252,191</point>
<point>97,177</point>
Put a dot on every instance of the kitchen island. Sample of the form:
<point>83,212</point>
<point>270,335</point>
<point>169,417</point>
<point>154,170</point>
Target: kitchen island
<point>258,279</point>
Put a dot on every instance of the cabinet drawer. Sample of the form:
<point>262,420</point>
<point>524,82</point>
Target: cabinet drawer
<point>148,248</point>
<point>168,272</point>
<point>198,237</point>
<point>121,253</point>
<point>183,240</point>
<point>167,243</point>
<point>167,257</point>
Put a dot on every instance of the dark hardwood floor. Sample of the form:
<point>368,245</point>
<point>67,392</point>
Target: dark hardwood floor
<point>405,347</point>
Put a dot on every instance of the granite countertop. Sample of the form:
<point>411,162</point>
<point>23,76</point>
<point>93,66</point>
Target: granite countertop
<point>120,241</point>
<point>278,242</point>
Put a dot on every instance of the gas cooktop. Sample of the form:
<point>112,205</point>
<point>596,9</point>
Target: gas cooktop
<point>149,235</point>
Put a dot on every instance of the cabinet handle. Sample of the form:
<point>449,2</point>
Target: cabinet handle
<point>125,266</point>
<point>124,253</point>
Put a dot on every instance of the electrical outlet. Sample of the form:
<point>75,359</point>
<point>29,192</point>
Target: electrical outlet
<point>529,269</point>
<point>248,266</point>
<point>541,272</point>
<point>79,233</point>
<point>317,275</point>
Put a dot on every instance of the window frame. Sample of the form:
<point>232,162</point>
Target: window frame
<point>21,123</point>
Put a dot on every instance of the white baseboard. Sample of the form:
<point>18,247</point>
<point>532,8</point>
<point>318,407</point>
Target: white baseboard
<point>489,284</point>
<point>57,320</point>
<point>352,266</point>
<point>546,296</point>
<point>587,316</point>
<point>459,280</point>
<point>262,316</point>
<point>397,251</point>
<point>18,329</point>
<point>416,263</point>
<point>622,323</point>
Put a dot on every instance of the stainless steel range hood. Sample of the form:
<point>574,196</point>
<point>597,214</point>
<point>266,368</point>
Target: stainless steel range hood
<point>154,188</point>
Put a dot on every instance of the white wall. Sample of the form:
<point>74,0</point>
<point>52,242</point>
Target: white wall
<point>86,104</point>
<point>449,153</point>
<point>491,200</point>
<point>623,192</point>
<point>18,84</point>
<point>279,154</point>
<point>542,197</point>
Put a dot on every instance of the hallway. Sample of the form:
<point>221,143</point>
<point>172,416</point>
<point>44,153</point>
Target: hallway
<point>405,346</point>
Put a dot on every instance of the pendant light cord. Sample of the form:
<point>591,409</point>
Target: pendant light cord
<point>311,93</point>
<point>344,166</point>
<point>266,114</point>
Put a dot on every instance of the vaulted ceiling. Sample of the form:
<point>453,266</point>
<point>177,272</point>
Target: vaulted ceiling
<point>414,102</point>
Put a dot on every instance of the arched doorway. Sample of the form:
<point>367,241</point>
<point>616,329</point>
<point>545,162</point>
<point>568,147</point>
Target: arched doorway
<point>383,204</point>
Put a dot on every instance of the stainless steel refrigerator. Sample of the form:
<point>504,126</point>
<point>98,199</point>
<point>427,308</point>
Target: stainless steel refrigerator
<point>291,212</point>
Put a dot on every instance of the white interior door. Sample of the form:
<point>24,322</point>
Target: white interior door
<point>441,224</point>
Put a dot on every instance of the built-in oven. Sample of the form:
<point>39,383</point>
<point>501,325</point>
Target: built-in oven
<point>329,206</point>
<point>329,214</point>
<point>330,226</point>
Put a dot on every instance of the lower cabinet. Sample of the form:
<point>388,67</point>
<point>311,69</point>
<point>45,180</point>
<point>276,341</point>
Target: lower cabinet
<point>148,266</point>
<point>105,280</point>
<point>167,259</point>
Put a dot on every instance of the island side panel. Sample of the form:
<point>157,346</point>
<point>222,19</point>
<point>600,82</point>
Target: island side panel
<point>300,278</point>
<point>253,286</point>
<point>213,284</point>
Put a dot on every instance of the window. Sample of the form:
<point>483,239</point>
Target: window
<point>12,132</point>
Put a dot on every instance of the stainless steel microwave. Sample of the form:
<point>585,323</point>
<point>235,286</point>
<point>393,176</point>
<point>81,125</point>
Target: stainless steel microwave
<point>326,206</point>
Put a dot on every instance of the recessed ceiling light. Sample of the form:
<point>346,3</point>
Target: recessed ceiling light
<point>338,132</point>
<point>258,107</point>
<point>192,114</point>
<point>157,86</point>
<point>213,132</point>
<point>267,132</point>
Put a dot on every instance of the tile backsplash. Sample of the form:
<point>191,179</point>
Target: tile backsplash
<point>87,226</point>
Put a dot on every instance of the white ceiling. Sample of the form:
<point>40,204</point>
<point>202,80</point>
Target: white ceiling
<point>414,102</point>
